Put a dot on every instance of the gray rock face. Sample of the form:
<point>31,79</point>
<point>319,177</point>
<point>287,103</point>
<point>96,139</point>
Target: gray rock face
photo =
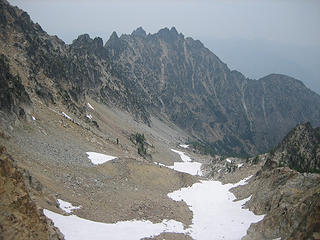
<point>183,80</point>
<point>163,74</point>
<point>289,198</point>
<point>290,201</point>
<point>299,150</point>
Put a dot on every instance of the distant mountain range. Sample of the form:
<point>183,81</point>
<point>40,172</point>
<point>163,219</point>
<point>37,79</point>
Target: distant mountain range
<point>164,74</point>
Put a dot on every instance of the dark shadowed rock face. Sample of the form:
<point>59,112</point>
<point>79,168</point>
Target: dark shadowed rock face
<point>163,74</point>
<point>13,97</point>
<point>40,60</point>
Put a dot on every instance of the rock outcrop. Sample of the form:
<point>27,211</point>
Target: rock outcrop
<point>290,201</point>
<point>299,150</point>
<point>19,216</point>
<point>283,190</point>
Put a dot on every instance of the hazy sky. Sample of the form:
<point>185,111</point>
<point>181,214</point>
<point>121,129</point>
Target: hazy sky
<point>293,23</point>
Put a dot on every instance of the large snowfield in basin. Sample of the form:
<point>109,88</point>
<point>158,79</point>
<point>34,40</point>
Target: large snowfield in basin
<point>215,215</point>
<point>76,228</point>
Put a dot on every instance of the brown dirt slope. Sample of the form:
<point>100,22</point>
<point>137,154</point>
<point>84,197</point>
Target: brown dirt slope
<point>19,216</point>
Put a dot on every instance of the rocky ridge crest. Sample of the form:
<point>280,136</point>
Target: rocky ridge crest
<point>299,150</point>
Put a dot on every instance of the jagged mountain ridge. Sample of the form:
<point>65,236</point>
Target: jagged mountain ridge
<point>188,83</point>
<point>56,72</point>
<point>163,74</point>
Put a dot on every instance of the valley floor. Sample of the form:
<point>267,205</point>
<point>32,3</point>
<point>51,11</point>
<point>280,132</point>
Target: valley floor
<point>213,207</point>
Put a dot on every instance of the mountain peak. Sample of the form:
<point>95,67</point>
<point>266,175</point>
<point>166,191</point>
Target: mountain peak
<point>83,38</point>
<point>139,32</point>
<point>98,42</point>
<point>163,31</point>
<point>167,34</point>
<point>173,30</point>
<point>114,36</point>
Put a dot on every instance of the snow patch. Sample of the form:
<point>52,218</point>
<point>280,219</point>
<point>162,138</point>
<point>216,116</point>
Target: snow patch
<point>215,214</point>
<point>228,160</point>
<point>33,118</point>
<point>99,158</point>
<point>240,165</point>
<point>66,206</point>
<point>187,166</point>
<point>184,146</point>
<point>66,116</point>
<point>242,182</point>
<point>89,105</point>
<point>76,228</point>
<point>183,156</point>
<point>160,164</point>
<point>193,168</point>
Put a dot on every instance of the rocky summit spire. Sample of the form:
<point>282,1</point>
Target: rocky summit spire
<point>114,36</point>
<point>82,39</point>
<point>139,32</point>
<point>169,34</point>
<point>98,42</point>
<point>174,31</point>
